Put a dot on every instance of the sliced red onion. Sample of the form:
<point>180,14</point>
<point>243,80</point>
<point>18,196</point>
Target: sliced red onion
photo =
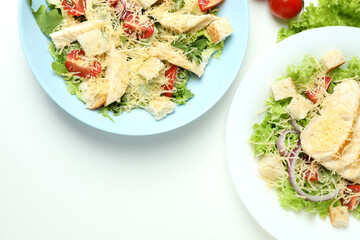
<point>292,177</point>
<point>121,9</point>
<point>296,126</point>
<point>281,143</point>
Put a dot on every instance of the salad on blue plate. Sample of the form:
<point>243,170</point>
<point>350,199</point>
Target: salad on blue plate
<point>119,55</point>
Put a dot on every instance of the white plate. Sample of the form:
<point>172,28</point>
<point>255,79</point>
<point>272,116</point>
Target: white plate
<point>249,100</point>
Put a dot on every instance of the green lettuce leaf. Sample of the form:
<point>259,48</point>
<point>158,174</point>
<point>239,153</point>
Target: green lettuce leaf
<point>289,200</point>
<point>263,139</point>
<point>198,47</point>
<point>327,13</point>
<point>304,73</point>
<point>47,20</point>
<point>352,70</point>
<point>59,68</point>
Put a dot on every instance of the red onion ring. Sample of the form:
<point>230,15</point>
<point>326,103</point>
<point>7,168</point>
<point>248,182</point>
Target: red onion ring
<point>280,144</point>
<point>121,9</point>
<point>291,171</point>
<point>296,126</point>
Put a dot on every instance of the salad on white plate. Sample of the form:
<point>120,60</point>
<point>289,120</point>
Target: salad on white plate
<point>119,55</point>
<point>308,144</point>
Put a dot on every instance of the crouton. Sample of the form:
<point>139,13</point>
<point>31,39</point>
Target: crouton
<point>219,29</point>
<point>283,89</point>
<point>180,22</point>
<point>339,216</point>
<point>299,107</point>
<point>68,35</point>
<point>271,167</point>
<point>160,107</point>
<point>174,56</point>
<point>93,93</point>
<point>146,3</point>
<point>151,68</point>
<point>117,74</point>
<point>93,42</point>
<point>332,60</point>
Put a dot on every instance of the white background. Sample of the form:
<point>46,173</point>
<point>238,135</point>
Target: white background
<point>61,179</point>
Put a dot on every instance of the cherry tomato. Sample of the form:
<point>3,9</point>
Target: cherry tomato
<point>314,95</point>
<point>354,188</point>
<point>76,65</point>
<point>171,74</point>
<point>285,9</point>
<point>312,174</point>
<point>112,2</point>
<point>354,201</point>
<point>74,7</point>
<point>132,25</point>
<point>207,4</point>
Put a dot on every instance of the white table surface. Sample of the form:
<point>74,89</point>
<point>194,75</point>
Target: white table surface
<point>61,179</point>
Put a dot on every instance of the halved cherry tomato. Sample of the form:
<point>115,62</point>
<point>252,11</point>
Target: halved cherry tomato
<point>314,95</point>
<point>76,65</point>
<point>285,9</point>
<point>312,174</point>
<point>74,7</point>
<point>207,4</point>
<point>171,74</point>
<point>112,2</point>
<point>354,201</point>
<point>354,188</point>
<point>132,25</point>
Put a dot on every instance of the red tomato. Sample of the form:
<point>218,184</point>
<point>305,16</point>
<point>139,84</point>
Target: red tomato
<point>312,174</point>
<point>354,201</point>
<point>285,9</point>
<point>314,95</point>
<point>207,4</point>
<point>171,74</point>
<point>132,25</point>
<point>76,65</point>
<point>112,2</point>
<point>354,188</point>
<point>74,7</point>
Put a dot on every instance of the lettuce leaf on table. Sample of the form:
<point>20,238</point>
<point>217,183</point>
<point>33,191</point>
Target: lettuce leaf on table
<point>326,13</point>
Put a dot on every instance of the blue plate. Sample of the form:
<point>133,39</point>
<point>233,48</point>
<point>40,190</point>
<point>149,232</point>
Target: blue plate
<point>216,80</point>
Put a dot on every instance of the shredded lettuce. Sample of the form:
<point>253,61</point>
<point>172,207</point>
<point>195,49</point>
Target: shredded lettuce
<point>327,13</point>
<point>182,93</point>
<point>198,47</point>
